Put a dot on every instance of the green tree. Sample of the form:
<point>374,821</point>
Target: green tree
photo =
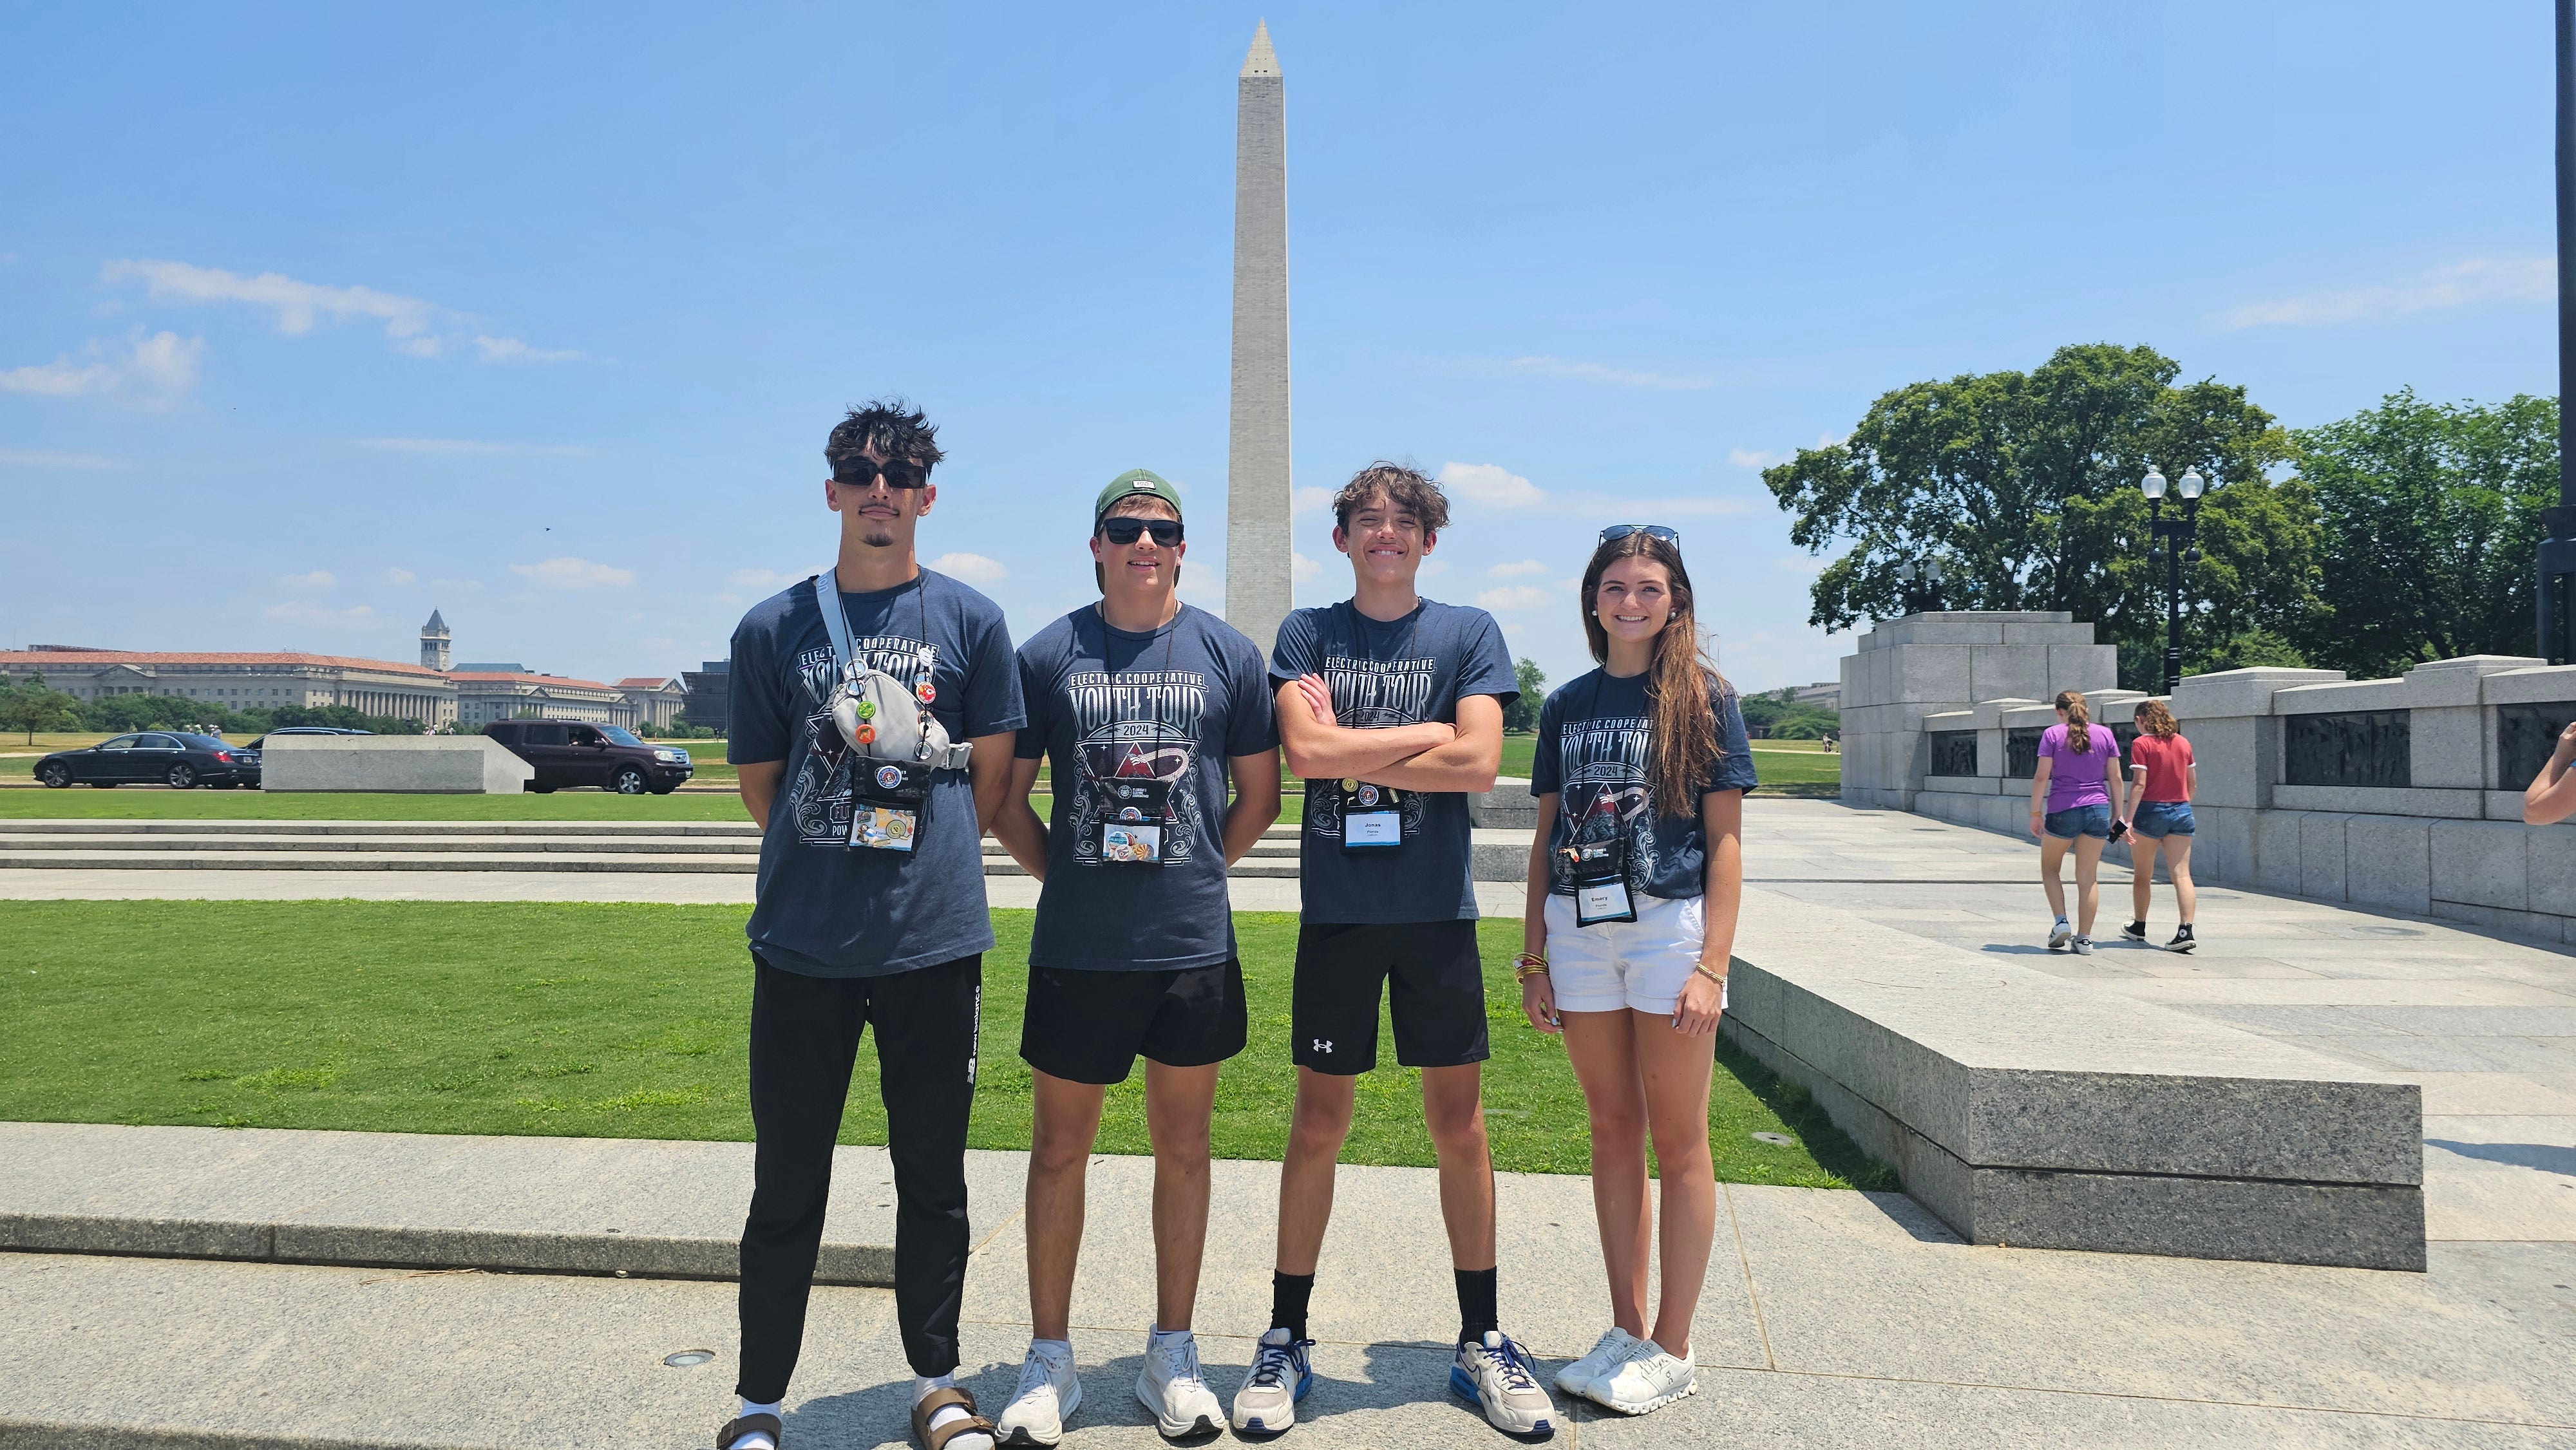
<point>2432,512</point>
<point>36,706</point>
<point>2025,486</point>
<point>1522,713</point>
<point>1783,718</point>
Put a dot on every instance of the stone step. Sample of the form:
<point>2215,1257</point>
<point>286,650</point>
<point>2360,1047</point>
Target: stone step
<point>740,863</point>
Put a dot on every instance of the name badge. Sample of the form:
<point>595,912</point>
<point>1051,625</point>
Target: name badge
<point>882,827</point>
<point>1131,843</point>
<point>1372,817</point>
<point>1600,871</point>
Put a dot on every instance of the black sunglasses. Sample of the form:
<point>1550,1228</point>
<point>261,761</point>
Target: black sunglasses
<point>1124,529</point>
<point>859,473</point>
<point>1652,531</point>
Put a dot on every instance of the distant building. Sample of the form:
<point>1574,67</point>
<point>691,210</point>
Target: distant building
<point>242,681</point>
<point>1828,693</point>
<point>433,644</point>
<point>710,697</point>
<point>658,699</point>
<point>485,696</point>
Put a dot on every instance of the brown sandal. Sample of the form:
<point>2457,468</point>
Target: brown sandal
<point>933,1403</point>
<point>750,1425</point>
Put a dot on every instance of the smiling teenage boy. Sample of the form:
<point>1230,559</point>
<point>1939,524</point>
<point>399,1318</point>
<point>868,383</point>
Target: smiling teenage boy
<point>1391,707</point>
<point>1142,707</point>
<point>851,693</point>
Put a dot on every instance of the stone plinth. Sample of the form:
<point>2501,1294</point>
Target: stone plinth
<point>411,764</point>
<point>1925,665</point>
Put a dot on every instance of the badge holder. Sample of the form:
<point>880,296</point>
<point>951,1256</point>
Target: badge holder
<point>1130,833</point>
<point>1600,871</point>
<point>1372,819</point>
<point>892,798</point>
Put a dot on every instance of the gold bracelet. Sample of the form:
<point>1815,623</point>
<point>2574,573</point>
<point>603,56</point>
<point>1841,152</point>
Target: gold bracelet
<point>1528,965</point>
<point>1701,968</point>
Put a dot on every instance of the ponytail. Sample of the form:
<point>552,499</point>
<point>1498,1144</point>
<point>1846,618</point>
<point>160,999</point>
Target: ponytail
<point>2079,721</point>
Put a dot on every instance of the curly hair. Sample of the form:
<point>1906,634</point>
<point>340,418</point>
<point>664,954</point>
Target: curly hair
<point>2155,719</point>
<point>1405,488</point>
<point>898,431</point>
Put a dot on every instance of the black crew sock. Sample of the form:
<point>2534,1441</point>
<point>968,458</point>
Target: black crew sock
<point>1288,1296</point>
<point>1476,1312</point>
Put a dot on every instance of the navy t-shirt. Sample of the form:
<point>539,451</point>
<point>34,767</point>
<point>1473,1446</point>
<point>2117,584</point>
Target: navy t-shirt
<point>1385,673</point>
<point>1158,714</point>
<point>1592,738</point>
<point>826,908</point>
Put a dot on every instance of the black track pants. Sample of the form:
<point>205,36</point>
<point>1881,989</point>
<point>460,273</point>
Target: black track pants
<point>804,1036</point>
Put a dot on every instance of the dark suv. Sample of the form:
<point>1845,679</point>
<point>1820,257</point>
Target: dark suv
<point>175,758</point>
<point>568,752</point>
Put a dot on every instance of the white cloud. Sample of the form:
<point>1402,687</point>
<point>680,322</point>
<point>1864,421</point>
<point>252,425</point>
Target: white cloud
<point>151,369</point>
<point>401,576</point>
<point>973,568</point>
<point>2480,279</point>
<point>411,323</point>
<point>1309,500</point>
<point>510,349</point>
<point>316,616</point>
<point>468,445</point>
<point>31,458</point>
<point>1517,567</point>
<point>1515,596</point>
<point>757,578</point>
<point>1753,457</point>
<point>1302,570</point>
<point>1558,367</point>
<point>318,579</point>
<point>567,572</point>
<point>1491,484</point>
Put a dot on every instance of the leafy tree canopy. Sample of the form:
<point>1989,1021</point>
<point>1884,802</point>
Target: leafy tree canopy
<point>2024,485</point>
<point>1522,713</point>
<point>34,706</point>
<point>2432,512</point>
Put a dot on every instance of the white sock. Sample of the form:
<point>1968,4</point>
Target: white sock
<point>1059,1348</point>
<point>921,1389</point>
<point>759,1439</point>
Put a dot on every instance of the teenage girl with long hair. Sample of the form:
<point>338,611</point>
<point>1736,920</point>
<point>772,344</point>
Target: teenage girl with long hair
<point>2079,778</point>
<point>2160,820</point>
<point>1641,771</point>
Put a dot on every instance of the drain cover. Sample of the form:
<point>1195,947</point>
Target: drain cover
<point>688,1358</point>
<point>1782,1139</point>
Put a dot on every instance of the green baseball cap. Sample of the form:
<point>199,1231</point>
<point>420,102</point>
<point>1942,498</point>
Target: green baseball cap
<point>1135,481</point>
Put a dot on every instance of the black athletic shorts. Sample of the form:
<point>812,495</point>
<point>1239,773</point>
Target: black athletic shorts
<point>1089,1026</point>
<point>1435,989</point>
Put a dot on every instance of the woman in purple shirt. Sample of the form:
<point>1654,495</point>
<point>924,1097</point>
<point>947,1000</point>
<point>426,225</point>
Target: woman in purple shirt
<point>2080,783</point>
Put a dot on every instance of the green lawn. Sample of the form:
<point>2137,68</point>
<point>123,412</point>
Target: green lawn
<point>159,803</point>
<point>628,1021</point>
<point>1787,767</point>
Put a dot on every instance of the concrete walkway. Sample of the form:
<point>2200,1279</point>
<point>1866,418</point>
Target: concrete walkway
<point>1829,1318</point>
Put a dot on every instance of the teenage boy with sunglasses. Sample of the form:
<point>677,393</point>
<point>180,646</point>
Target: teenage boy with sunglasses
<point>1141,707</point>
<point>1391,707</point>
<point>870,906</point>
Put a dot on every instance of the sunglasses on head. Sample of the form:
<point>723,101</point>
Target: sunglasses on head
<point>1124,529</point>
<point>1653,531</point>
<point>859,473</point>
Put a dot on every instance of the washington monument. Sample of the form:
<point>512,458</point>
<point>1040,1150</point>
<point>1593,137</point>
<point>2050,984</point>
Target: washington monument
<point>1256,474</point>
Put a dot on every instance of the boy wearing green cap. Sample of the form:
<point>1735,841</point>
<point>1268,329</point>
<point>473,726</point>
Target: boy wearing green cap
<point>1142,707</point>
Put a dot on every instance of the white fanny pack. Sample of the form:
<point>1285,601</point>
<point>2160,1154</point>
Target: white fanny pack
<point>881,717</point>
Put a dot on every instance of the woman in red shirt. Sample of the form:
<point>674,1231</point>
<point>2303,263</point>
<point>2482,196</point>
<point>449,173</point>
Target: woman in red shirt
<point>2160,819</point>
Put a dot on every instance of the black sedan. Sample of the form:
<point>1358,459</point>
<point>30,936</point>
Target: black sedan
<point>153,757</point>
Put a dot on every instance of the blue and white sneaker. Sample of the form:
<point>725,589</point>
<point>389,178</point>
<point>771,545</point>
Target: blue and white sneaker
<point>1498,1375</point>
<point>1280,1376</point>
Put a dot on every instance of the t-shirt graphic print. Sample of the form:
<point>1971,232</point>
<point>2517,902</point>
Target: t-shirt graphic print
<point>1594,738</point>
<point>821,797</point>
<point>1138,743</point>
<point>1372,694</point>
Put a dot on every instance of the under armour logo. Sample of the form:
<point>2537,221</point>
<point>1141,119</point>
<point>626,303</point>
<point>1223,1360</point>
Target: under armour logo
<point>1323,1045</point>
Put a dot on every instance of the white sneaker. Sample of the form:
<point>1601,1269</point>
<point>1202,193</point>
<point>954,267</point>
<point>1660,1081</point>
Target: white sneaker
<point>1650,1381</point>
<point>1499,1377</point>
<point>2084,946</point>
<point>2059,935</point>
<point>1048,1394</point>
<point>1608,1353</point>
<point>1171,1386</point>
<point>1280,1376</point>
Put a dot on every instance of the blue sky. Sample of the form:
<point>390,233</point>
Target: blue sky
<point>315,317</point>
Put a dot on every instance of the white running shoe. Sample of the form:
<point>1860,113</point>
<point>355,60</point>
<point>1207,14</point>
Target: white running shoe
<point>1499,1377</point>
<point>1171,1386</point>
<point>1608,1353</point>
<point>1048,1394</point>
<point>2059,935</point>
<point>1650,1381</point>
<point>1280,1376</point>
<point>2084,946</point>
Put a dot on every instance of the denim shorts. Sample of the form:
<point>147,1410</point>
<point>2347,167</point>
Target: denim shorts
<point>2156,820</point>
<point>2074,821</point>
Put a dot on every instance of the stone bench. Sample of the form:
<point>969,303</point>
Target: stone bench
<point>2029,1110</point>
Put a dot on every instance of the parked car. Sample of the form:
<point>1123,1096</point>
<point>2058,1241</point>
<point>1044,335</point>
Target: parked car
<point>167,757</point>
<point>570,753</point>
<point>306,730</point>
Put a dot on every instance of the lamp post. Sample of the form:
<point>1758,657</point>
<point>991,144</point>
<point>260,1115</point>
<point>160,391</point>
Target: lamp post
<point>2171,536</point>
<point>2557,561</point>
<point>1927,599</point>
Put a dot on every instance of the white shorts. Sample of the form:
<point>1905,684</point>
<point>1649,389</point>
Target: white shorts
<point>1641,964</point>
